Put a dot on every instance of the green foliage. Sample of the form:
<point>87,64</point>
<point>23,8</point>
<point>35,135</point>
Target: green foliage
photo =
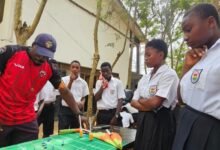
<point>162,19</point>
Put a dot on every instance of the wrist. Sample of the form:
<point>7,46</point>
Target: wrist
<point>116,115</point>
<point>140,100</point>
<point>186,68</point>
<point>71,81</point>
<point>79,113</point>
<point>103,87</point>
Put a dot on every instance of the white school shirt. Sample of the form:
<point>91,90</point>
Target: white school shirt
<point>79,88</point>
<point>130,108</point>
<point>200,86</point>
<point>48,93</point>
<point>111,94</point>
<point>164,84</point>
<point>126,119</point>
<point>36,105</point>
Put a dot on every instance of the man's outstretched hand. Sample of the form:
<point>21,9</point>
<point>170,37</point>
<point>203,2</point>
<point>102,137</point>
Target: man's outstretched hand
<point>84,122</point>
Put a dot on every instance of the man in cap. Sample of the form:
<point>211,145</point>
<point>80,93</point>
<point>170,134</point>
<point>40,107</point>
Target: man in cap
<point>23,73</point>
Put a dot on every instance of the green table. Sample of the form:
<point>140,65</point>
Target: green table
<point>74,142</point>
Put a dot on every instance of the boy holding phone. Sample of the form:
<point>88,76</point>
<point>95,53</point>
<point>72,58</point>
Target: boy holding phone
<point>109,93</point>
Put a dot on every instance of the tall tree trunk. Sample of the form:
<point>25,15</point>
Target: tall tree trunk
<point>129,69</point>
<point>132,43</point>
<point>179,55</point>
<point>96,58</point>
<point>123,49</point>
<point>125,41</point>
<point>171,49</point>
<point>133,39</point>
<point>22,31</point>
<point>138,58</point>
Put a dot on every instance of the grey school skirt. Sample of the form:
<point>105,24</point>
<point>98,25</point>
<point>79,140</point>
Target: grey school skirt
<point>197,131</point>
<point>155,130</point>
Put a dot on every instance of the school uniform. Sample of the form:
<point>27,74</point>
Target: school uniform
<point>79,89</point>
<point>109,100</point>
<point>48,95</point>
<point>127,119</point>
<point>36,103</point>
<point>156,128</point>
<point>199,124</point>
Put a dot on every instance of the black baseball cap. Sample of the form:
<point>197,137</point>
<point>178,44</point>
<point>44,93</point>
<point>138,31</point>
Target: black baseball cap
<point>45,45</point>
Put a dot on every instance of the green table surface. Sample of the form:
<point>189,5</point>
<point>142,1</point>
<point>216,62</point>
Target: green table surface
<point>74,142</point>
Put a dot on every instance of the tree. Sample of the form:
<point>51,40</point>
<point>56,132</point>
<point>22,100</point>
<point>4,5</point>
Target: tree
<point>162,19</point>
<point>123,49</point>
<point>125,41</point>
<point>131,4</point>
<point>22,31</point>
<point>96,58</point>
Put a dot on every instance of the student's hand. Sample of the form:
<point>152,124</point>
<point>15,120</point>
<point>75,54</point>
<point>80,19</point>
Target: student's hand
<point>113,121</point>
<point>38,114</point>
<point>193,56</point>
<point>84,122</point>
<point>73,76</point>
<point>80,105</point>
<point>100,76</point>
<point>41,107</point>
<point>104,83</point>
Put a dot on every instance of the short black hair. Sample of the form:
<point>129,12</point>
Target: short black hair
<point>106,64</point>
<point>204,10</point>
<point>75,61</point>
<point>158,44</point>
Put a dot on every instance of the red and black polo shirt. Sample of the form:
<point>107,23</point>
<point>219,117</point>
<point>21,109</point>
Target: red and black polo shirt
<point>20,81</point>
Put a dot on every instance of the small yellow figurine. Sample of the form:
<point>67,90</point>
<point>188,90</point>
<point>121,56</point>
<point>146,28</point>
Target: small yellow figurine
<point>90,136</point>
<point>80,132</point>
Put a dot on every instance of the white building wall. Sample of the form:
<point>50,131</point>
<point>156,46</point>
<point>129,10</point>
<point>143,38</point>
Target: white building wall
<point>73,29</point>
<point>6,26</point>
